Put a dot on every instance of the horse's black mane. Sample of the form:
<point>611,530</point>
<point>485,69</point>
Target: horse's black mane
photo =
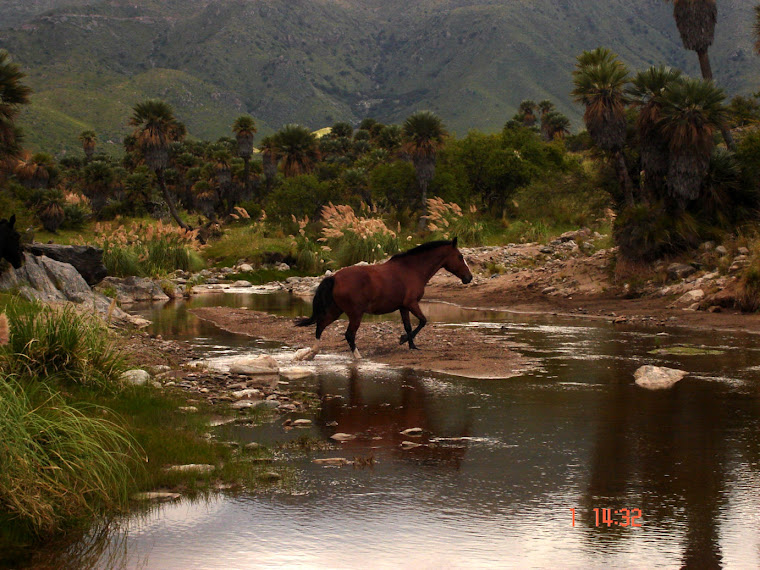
<point>422,248</point>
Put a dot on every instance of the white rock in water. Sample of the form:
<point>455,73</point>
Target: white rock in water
<point>159,496</point>
<point>413,432</point>
<point>296,372</point>
<point>657,377</point>
<point>242,284</point>
<point>263,364</point>
<point>243,267</point>
<point>304,354</point>
<point>342,436</point>
<point>194,467</point>
<point>135,377</point>
<point>248,394</point>
<point>410,445</point>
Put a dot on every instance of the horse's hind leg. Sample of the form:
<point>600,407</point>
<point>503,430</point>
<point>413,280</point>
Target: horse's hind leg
<point>332,315</point>
<point>409,336</point>
<point>417,312</point>
<point>353,325</point>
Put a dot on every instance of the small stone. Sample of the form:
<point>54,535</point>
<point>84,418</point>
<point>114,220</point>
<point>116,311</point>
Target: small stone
<point>296,372</point>
<point>714,309</point>
<point>193,467</point>
<point>302,423</point>
<point>333,461</point>
<point>135,377</point>
<point>253,445</point>
<point>620,320</point>
<point>242,284</point>
<point>342,436</point>
<point>680,270</point>
<point>690,297</point>
<point>410,445</point>
<point>187,409</point>
<point>271,476</point>
<point>304,354</point>
<point>263,364</point>
<point>244,267</point>
<point>413,432</point>
<point>742,251</point>
<point>283,267</point>
<point>721,250</point>
<point>248,394</point>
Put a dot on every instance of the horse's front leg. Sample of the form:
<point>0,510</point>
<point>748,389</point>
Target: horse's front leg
<point>354,320</point>
<point>409,336</point>
<point>415,309</point>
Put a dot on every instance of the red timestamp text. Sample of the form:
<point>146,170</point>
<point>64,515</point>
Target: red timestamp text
<point>614,517</point>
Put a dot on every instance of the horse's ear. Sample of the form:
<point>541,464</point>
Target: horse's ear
<point>12,221</point>
<point>454,242</point>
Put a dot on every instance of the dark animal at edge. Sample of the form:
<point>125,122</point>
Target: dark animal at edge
<point>396,285</point>
<point>10,242</point>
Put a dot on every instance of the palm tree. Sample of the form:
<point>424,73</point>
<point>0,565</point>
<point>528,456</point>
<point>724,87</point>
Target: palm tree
<point>424,136</point>
<point>269,160</point>
<point>691,111</point>
<point>298,148</point>
<point>646,92</point>
<point>696,21</point>
<point>34,171</point>
<point>155,128</point>
<point>527,113</point>
<point>554,125</point>
<point>245,128</point>
<point>599,80</point>
<point>13,94</point>
<point>98,178</point>
<point>756,28</point>
<point>88,139</point>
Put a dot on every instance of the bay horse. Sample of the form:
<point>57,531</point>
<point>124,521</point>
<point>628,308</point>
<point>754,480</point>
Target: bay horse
<point>10,242</point>
<point>396,285</point>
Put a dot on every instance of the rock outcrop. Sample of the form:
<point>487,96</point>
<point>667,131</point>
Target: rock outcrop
<point>87,260</point>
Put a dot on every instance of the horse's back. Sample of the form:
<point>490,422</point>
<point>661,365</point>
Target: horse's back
<point>368,288</point>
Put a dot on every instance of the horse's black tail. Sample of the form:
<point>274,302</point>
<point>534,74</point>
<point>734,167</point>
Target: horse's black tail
<point>323,300</point>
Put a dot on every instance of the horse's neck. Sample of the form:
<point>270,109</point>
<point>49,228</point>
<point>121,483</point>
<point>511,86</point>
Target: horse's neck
<point>425,265</point>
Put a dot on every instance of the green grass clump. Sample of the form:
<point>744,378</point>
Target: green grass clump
<point>58,464</point>
<point>61,343</point>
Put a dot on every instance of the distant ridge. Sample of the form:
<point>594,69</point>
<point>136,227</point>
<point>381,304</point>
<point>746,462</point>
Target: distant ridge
<point>316,62</point>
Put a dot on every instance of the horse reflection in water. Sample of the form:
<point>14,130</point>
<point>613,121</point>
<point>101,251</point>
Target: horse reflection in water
<point>377,410</point>
<point>396,285</point>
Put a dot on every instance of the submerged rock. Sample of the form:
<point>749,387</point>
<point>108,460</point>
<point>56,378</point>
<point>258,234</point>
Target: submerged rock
<point>158,496</point>
<point>333,461</point>
<point>302,423</point>
<point>296,372</point>
<point>342,436</point>
<point>259,365</point>
<point>412,432</point>
<point>657,377</point>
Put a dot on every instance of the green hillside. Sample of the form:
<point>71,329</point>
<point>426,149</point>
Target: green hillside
<point>321,61</point>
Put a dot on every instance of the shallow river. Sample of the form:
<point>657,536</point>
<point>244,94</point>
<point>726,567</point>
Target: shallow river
<point>521,472</point>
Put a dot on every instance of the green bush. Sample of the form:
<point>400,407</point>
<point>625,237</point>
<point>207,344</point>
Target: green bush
<point>647,232</point>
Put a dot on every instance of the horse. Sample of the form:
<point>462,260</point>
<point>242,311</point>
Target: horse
<point>396,285</point>
<point>10,242</point>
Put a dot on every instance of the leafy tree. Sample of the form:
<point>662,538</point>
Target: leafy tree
<point>599,80</point>
<point>341,130</point>
<point>155,128</point>
<point>390,138</point>
<point>299,196</point>
<point>13,94</point>
<point>744,111</point>
<point>298,148</point>
<point>394,185</point>
<point>424,136</point>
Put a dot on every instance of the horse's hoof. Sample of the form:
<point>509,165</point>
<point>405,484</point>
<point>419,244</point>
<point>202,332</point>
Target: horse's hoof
<point>414,347</point>
<point>403,339</point>
<point>356,354</point>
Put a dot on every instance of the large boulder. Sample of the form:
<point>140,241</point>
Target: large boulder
<point>50,281</point>
<point>87,260</point>
<point>133,289</point>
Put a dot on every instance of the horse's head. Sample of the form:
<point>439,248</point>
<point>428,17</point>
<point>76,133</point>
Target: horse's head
<point>455,263</point>
<point>10,242</point>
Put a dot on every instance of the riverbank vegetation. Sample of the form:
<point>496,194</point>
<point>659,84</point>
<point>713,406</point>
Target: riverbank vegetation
<point>79,441</point>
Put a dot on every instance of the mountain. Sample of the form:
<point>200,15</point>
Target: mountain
<point>316,62</point>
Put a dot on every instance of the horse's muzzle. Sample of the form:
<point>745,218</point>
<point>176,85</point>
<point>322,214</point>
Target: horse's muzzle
<point>467,279</point>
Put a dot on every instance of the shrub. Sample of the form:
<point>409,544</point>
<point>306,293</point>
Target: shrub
<point>352,239</point>
<point>60,343</point>
<point>648,232</point>
<point>446,220</point>
<point>152,250</point>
